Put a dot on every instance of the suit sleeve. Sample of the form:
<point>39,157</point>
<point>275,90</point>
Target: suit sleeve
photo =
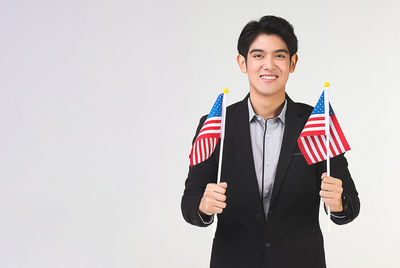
<point>198,178</point>
<point>351,202</point>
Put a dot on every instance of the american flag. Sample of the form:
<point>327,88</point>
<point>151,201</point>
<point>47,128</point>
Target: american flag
<point>210,132</point>
<point>312,139</point>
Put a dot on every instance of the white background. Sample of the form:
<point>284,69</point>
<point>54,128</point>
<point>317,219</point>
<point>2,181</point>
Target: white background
<point>99,101</point>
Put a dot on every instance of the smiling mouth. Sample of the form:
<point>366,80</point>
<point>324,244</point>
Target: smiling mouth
<point>268,77</point>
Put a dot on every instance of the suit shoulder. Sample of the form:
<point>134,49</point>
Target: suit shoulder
<point>235,106</point>
<point>303,107</point>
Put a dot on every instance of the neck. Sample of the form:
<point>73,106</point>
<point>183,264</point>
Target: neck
<point>267,106</point>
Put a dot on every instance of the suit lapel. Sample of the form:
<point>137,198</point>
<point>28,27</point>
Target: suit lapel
<point>294,123</point>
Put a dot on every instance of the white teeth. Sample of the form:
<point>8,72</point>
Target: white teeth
<point>269,77</point>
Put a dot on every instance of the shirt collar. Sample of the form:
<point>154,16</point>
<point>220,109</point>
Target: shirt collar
<point>252,114</point>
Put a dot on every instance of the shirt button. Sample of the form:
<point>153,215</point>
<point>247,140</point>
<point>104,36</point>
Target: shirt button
<point>267,164</point>
<point>267,136</point>
<point>266,191</point>
<point>268,244</point>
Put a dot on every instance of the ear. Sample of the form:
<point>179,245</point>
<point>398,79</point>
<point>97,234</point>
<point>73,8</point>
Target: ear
<point>293,63</point>
<point>242,63</point>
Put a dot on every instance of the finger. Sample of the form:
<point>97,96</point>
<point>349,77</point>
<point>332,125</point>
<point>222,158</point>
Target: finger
<point>327,201</point>
<point>223,184</point>
<point>219,197</point>
<point>330,195</point>
<point>219,189</point>
<point>212,187</point>
<point>325,175</point>
<point>335,189</point>
<point>218,204</point>
<point>218,210</point>
<point>329,187</point>
<point>332,180</point>
<point>212,206</point>
<point>326,194</point>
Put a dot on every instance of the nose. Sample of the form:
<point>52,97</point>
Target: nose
<point>269,63</point>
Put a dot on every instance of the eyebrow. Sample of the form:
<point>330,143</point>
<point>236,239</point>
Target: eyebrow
<point>263,51</point>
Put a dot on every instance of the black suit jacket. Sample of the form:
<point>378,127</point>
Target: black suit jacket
<point>291,237</point>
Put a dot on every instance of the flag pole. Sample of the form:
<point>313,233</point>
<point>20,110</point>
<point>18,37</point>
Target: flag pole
<point>328,150</point>
<point>222,135</point>
<point>221,148</point>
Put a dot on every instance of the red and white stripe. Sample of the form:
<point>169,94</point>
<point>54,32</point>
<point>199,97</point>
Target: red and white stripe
<point>312,139</point>
<point>206,140</point>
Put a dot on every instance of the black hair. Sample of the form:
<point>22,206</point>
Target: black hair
<point>267,25</point>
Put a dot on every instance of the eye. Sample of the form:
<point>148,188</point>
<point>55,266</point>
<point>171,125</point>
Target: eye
<point>280,56</point>
<point>258,56</point>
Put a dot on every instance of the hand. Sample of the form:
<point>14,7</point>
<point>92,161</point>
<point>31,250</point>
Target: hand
<point>331,192</point>
<point>213,200</point>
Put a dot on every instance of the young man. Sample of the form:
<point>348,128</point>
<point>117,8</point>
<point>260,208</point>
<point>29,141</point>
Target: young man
<point>268,202</point>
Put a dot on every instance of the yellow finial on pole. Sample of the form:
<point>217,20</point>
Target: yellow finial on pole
<point>326,84</point>
<point>226,90</point>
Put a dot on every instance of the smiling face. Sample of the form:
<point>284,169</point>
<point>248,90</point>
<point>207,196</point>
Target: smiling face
<point>268,65</point>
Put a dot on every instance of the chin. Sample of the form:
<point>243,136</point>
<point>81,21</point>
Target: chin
<point>269,92</point>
